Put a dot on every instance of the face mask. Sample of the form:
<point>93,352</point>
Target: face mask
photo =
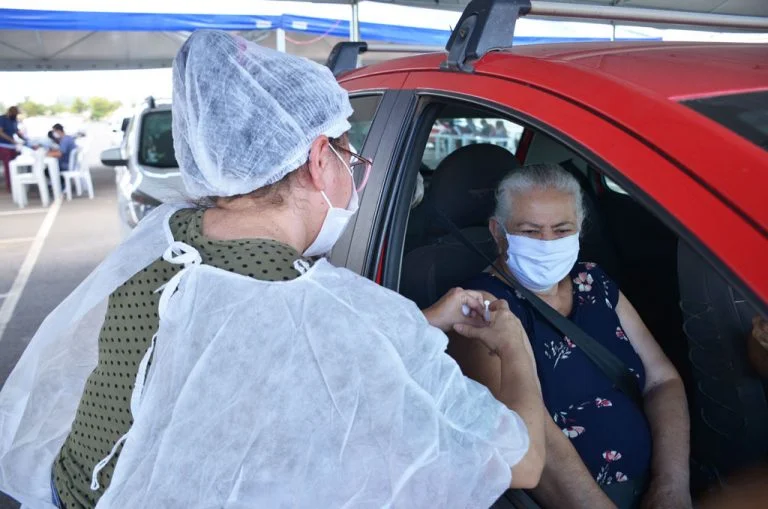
<point>336,219</point>
<point>541,264</point>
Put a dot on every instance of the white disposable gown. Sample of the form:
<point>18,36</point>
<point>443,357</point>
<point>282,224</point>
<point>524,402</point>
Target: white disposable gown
<point>325,391</point>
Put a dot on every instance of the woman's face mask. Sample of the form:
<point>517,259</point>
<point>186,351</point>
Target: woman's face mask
<point>336,219</point>
<point>544,243</point>
<point>541,264</point>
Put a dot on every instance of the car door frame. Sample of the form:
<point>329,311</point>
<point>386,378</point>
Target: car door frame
<point>389,123</point>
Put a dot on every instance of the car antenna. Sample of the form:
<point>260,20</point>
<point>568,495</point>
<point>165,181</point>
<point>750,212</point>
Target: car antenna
<point>484,25</point>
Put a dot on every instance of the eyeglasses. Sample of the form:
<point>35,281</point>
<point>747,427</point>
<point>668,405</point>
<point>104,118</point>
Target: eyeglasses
<point>358,165</point>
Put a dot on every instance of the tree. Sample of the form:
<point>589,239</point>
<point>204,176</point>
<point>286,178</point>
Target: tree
<point>101,107</point>
<point>57,108</point>
<point>79,106</point>
<point>32,109</point>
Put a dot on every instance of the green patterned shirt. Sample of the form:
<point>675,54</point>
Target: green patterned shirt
<point>104,413</point>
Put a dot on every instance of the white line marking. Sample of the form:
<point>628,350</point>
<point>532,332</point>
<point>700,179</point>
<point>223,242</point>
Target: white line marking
<point>23,212</point>
<point>13,296</point>
<point>16,239</point>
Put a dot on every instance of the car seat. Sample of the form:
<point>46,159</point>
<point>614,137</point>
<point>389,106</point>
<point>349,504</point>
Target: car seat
<point>462,188</point>
<point>730,417</point>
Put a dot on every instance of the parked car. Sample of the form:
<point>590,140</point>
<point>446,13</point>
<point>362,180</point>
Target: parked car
<point>670,144</point>
<point>147,173</point>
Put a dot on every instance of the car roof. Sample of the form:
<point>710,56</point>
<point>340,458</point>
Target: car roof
<point>673,70</point>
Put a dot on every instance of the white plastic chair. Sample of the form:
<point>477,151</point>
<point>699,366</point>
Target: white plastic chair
<point>20,178</point>
<point>79,172</point>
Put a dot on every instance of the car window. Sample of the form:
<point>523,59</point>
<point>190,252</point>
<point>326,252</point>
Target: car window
<point>613,186</point>
<point>364,110</point>
<point>450,134</point>
<point>744,114</point>
<point>156,145</point>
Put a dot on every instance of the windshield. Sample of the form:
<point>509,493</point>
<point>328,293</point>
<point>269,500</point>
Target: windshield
<point>156,145</point>
<point>744,114</point>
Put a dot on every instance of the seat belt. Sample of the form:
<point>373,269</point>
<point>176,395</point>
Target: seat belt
<point>607,362</point>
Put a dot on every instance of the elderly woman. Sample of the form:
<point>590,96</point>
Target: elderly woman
<point>597,437</point>
<point>229,367</point>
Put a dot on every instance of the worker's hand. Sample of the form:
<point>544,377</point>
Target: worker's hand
<point>504,335</point>
<point>760,331</point>
<point>449,310</point>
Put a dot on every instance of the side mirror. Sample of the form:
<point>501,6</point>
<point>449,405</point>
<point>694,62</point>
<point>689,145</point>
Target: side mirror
<point>124,126</point>
<point>113,157</point>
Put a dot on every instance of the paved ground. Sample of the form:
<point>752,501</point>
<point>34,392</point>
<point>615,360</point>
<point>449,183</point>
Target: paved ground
<point>45,254</point>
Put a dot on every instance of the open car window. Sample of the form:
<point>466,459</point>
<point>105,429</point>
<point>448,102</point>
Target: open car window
<point>451,133</point>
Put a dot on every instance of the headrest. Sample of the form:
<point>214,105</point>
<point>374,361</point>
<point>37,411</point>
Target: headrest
<point>464,183</point>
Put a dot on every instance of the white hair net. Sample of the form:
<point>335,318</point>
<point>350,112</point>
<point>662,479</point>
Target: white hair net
<point>244,116</point>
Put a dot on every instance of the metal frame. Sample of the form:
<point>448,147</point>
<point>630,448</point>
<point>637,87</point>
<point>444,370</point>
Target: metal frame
<point>486,25</point>
<point>643,15</point>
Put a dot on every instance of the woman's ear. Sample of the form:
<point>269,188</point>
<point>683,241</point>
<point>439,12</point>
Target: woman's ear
<point>317,164</point>
<point>499,235</point>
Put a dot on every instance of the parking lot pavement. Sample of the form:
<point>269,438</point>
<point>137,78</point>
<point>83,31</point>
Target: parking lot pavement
<point>44,255</point>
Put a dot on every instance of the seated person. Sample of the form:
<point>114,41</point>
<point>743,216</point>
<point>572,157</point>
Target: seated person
<point>66,146</point>
<point>758,345</point>
<point>598,437</point>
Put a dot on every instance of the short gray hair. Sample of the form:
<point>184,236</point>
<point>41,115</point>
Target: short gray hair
<point>541,176</point>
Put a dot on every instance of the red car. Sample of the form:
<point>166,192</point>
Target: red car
<point>670,144</point>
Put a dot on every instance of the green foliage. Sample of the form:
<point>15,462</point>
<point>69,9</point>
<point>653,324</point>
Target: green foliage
<point>31,108</point>
<point>101,107</point>
<point>79,106</point>
<point>57,108</point>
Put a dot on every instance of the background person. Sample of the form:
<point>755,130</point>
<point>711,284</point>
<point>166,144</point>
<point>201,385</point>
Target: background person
<point>9,127</point>
<point>66,145</point>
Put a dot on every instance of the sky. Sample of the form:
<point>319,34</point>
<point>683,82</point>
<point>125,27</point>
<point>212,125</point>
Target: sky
<point>132,86</point>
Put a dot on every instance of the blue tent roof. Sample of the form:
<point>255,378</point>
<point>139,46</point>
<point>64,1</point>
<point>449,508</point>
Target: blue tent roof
<point>23,19</point>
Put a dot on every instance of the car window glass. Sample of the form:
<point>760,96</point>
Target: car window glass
<point>362,118</point>
<point>156,145</point>
<point>450,134</point>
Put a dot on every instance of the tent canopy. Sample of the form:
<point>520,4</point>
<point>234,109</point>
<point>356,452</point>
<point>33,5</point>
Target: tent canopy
<point>88,34</point>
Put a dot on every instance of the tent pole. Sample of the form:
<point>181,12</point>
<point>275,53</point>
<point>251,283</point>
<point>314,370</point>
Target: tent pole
<point>613,31</point>
<point>280,40</point>
<point>354,27</point>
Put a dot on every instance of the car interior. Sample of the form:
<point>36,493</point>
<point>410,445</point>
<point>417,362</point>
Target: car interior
<point>700,321</point>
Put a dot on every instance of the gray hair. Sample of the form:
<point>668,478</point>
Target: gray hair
<point>541,176</point>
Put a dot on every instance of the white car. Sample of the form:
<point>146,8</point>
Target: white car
<point>147,173</point>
